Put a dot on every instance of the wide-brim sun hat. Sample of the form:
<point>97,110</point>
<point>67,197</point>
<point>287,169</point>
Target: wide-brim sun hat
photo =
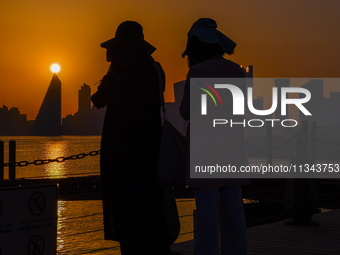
<point>205,30</point>
<point>130,32</point>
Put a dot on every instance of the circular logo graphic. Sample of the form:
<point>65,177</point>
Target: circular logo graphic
<point>36,203</point>
<point>36,245</point>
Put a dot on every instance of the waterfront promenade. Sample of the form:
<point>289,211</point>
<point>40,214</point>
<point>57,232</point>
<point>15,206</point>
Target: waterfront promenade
<point>279,239</point>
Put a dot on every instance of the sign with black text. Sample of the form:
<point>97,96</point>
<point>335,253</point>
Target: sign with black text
<point>28,220</point>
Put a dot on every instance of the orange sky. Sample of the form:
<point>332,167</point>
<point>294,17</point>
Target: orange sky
<point>280,38</point>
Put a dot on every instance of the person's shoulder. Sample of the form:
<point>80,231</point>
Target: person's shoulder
<point>216,66</point>
<point>234,68</point>
<point>197,68</point>
<point>231,63</point>
<point>202,69</point>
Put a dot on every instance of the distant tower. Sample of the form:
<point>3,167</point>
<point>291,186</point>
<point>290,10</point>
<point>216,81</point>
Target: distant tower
<point>84,99</point>
<point>316,105</point>
<point>48,120</point>
<point>172,109</point>
<point>179,91</point>
<point>249,71</point>
<point>332,114</point>
<point>280,83</point>
<point>83,116</point>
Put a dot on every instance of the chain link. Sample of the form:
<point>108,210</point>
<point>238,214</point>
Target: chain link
<point>95,153</point>
<point>256,153</point>
<point>289,140</point>
<point>39,162</point>
<point>325,141</point>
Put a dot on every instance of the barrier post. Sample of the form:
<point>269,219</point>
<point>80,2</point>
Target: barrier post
<point>312,143</point>
<point>12,156</point>
<point>2,159</point>
<point>269,143</point>
<point>301,197</point>
<point>195,223</point>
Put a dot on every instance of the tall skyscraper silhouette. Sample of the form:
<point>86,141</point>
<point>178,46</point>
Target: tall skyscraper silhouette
<point>48,120</point>
<point>172,108</point>
<point>83,116</point>
<point>84,99</point>
<point>279,84</point>
<point>318,105</point>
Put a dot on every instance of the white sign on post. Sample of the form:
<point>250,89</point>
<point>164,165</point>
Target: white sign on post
<point>28,220</point>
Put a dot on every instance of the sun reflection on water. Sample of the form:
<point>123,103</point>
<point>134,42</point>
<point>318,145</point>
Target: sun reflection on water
<point>61,226</point>
<point>52,151</point>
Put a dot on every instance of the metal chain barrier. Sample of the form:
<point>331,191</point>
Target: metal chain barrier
<point>326,142</point>
<point>58,159</point>
<point>251,154</point>
<point>97,152</point>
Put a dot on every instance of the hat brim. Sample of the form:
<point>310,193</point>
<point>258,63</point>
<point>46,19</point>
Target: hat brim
<point>114,42</point>
<point>108,44</point>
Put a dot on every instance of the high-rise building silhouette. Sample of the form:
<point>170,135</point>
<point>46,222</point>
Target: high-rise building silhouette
<point>172,108</point>
<point>12,122</point>
<point>87,120</point>
<point>4,127</point>
<point>48,120</point>
<point>332,113</point>
<point>84,99</point>
<point>249,71</point>
<point>324,110</point>
<point>279,84</point>
<point>257,102</point>
<point>83,117</point>
<point>317,104</point>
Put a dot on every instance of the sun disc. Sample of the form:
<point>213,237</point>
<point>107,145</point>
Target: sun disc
<point>55,68</point>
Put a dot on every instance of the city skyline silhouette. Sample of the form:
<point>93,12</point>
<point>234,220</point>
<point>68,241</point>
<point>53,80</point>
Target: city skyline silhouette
<point>88,120</point>
<point>291,39</point>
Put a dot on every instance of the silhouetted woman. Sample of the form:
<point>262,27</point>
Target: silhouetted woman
<point>218,201</point>
<point>132,202</point>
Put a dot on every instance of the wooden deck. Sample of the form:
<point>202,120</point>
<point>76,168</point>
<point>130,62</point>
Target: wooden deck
<point>279,239</point>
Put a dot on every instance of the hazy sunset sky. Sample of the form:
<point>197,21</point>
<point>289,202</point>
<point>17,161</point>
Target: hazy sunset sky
<point>280,38</point>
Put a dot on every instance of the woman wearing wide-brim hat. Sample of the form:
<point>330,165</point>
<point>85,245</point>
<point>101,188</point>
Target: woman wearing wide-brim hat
<point>133,204</point>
